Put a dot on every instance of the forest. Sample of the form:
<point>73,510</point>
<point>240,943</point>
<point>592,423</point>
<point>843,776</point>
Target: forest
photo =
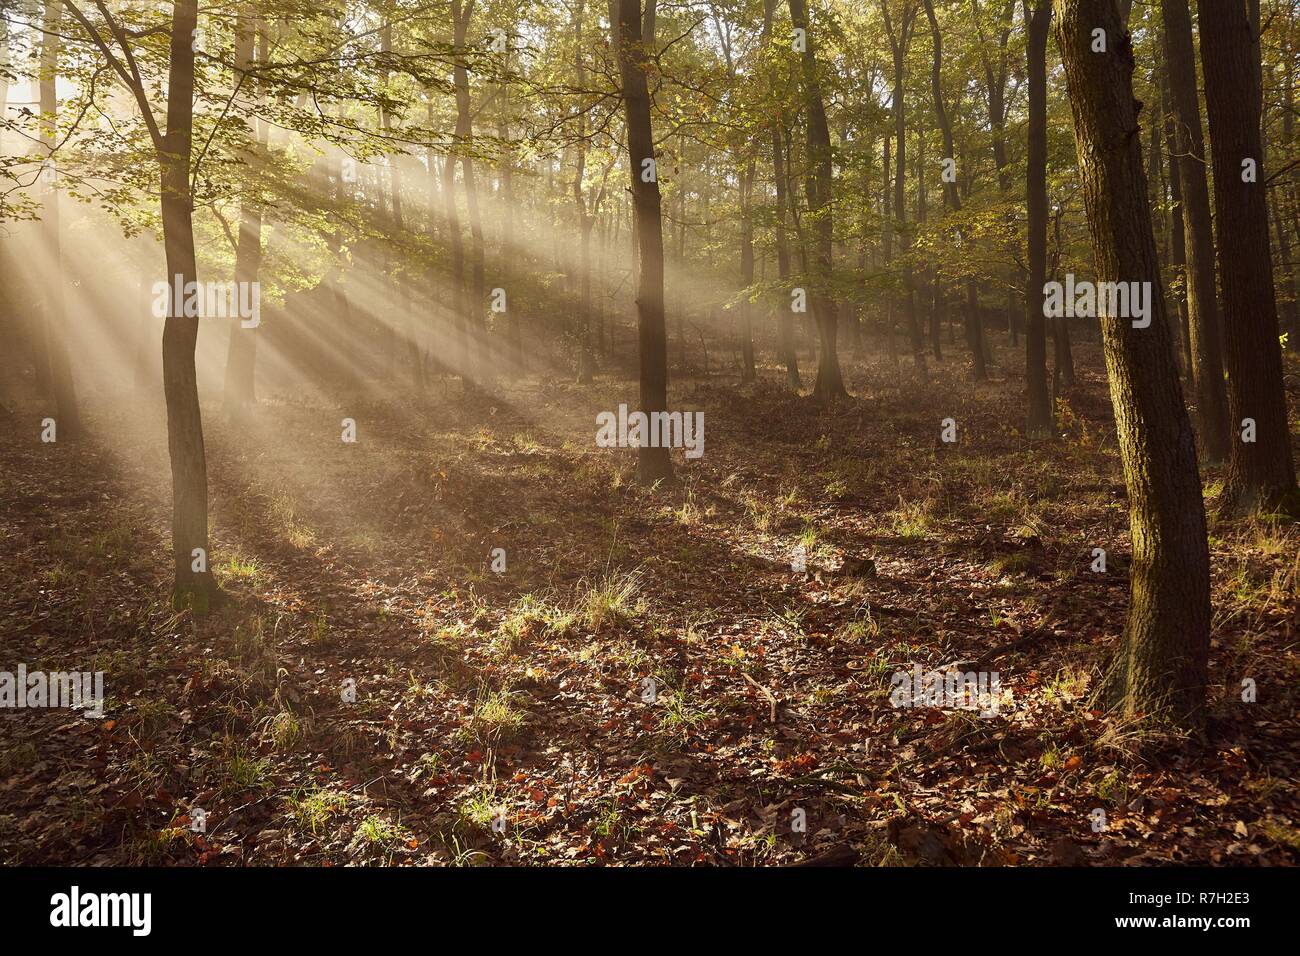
<point>698,433</point>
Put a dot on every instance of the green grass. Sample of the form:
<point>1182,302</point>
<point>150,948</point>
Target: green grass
<point>241,771</point>
<point>612,601</point>
<point>314,809</point>
<point>377,836</point>
<point>913,520</point>
<point>236,568</point>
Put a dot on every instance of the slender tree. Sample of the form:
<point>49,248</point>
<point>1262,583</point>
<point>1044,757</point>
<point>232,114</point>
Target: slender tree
<point>899,40</point>
<point>1039,19</point>
<point>829,385</point>
<point>653,464</point>
<point>951,194</point>
<point>1202,304</point>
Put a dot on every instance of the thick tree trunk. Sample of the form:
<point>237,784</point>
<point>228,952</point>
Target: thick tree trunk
<point>193,561</point>
<point>653,464</point>
<point>1202,302</point>
<point>1160,669</point>
<point>1261,473</point>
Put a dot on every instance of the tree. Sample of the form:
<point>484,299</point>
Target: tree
<point>785,320</point>
<point>1202,304</point>
<point>951,195</point>
<point>898,42</point>
<point>653,464</point>
<point>1261,472</point>
<point>829,385</point>
<point>1159,670</point>
<point>1039,19</point>
<point>194,586</point>
<point>473,302</point>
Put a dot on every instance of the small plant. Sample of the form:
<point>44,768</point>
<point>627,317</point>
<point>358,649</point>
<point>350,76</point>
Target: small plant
<point>242,771</point>
<point>314,809</point>
<point>614,600</point>
<point>238,568</point>
<point>913,520</point>
<point>1069,684</point>
<point>378,836</point>
<point>494,718</point>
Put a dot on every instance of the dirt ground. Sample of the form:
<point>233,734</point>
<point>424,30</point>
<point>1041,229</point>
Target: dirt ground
<point>648,681</point>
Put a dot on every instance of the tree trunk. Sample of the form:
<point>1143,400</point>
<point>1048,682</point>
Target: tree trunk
<point>1159,671</point>
<point>462,12</point>
<point>974,331</point>
<point>899,44</point>
<point>194,588</point>
<point>1039,424</point>
<point>586,361</point>
<point>829,385</point>
<point>1202,303</point>
<point>1261,473</point>
<point>459,348</point>
<point>1177,233</point>
<point>653,464</point>
<point>747,372</point>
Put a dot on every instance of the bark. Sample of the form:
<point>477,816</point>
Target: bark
<point>951,196</point>
<point>653,464</point>
<point>899,41</point>
<point>462,359</point>
<point>1039,19</point>
<point>747,372</point>
<point>829,385</point>
<point>194,589</point>
<point>785,318</point>
<point>1202,302</point>
<point>462,12</point>
<point>1160,669</point>
<point>514,329</point>
<point>1177,233</point>
<point>1261,474</point>
<point>586,361</point>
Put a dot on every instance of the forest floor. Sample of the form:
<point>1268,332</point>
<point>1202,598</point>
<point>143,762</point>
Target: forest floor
<point>521,696</point>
